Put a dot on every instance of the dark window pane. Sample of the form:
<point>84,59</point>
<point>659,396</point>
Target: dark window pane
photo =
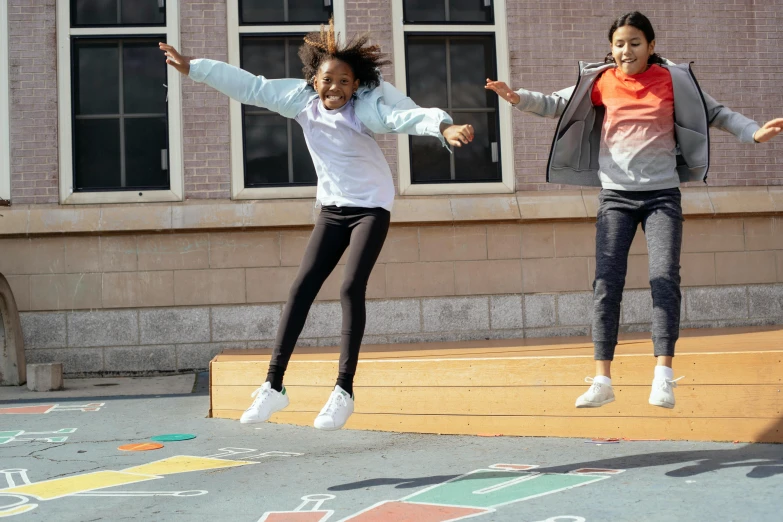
<point>470,11</point>
<point>474,162</point>
<point>304,170</point>
<point>96,154</point>
<point>96,78</point>
<point>454,11</point>
<point>427,71</point>
<point>93,12</point>
<point>430,162</point>
<point>418,11</point>
<point>144,74</point>
<point>146,153</point>
<point>267,135</point>
<point>105,12</point>
<point>472,62</point>
<point>282,11</point>
<point>266,150</point>
<point>147,12</point>
<point>264,56</point>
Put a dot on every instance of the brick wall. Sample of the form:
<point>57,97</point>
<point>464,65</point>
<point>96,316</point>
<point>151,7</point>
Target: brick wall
<point>205,119</point>
<point>373,16</point>
<point>736,47</point>
<point>33,93</point>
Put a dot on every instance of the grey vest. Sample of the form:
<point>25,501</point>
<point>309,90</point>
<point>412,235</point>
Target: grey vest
<point>573,158</point>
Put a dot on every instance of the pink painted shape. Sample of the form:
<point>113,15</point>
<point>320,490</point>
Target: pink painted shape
<point>28,410</point>
<point>515,467</point>
<point>394,511</point>
<point>295,516</point>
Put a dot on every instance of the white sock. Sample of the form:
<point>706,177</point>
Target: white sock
<point>601,379</point>
<point>664,372</point>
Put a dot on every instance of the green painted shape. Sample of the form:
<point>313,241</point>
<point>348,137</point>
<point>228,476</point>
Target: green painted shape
<point>172,437</point>
<point>462,491</point>
<point>3,440</point>
<point>10,433</point>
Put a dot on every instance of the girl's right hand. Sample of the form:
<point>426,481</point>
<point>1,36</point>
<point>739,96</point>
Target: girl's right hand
<point>503,90</point>
<point>176,60</point>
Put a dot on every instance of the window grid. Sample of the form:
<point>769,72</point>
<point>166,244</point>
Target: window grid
<point>66,35</point>
<point>237,30</point>
<point>502,66</point>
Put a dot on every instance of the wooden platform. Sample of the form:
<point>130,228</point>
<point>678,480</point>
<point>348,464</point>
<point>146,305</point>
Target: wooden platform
<point>731,390</point>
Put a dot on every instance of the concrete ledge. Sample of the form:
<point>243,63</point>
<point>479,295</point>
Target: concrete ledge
<point>522,207</point>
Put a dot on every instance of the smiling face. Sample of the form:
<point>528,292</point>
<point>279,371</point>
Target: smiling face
<point>630,49</point>
<point>335,83</point>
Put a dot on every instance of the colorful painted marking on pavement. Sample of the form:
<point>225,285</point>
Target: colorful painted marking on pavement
<point>30,436</point>
<point>308,511</point>
<point>395,510</point>
<point>89,483</point>
<point>41,409</point>
<point>474,494</point>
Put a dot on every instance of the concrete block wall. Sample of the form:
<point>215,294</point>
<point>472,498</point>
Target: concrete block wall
<point>180,339</point>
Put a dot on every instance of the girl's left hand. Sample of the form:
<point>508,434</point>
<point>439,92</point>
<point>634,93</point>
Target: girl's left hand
<point>456,135</point>
<point>769,130</point>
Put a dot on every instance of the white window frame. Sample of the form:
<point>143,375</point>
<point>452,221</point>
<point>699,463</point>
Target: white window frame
<point>399,30</point>
<point>5,106</point>
<point>64,34</point>
<point>235,31</point>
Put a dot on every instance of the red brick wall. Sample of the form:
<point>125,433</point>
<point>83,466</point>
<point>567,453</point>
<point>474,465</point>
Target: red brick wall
<point>33,97</point>
<point>736,47</point>
<point>205,123</point>
<point>373,16</point>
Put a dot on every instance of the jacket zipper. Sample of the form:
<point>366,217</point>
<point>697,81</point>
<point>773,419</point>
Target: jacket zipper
<point>706,117</point>
<point>559,122</point>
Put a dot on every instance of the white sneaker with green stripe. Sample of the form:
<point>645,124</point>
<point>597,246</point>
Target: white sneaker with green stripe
<point>266,401</point>
<point>335,414</point>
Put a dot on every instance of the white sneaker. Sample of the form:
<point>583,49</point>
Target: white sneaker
<point>335,414</point>
<point>662,393</point>
<point>267,401</point>
<point>597,395</point>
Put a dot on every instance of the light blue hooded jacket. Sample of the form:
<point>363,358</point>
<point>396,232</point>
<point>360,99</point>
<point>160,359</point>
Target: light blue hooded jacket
<point>383,109</point>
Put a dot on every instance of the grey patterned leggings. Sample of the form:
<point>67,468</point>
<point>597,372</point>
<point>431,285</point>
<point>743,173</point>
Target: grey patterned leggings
<point>619,214</point>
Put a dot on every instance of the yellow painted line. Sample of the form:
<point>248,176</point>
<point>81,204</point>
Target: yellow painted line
<point>62,487</point>
<point>185,463</point>
<point>17,510</point>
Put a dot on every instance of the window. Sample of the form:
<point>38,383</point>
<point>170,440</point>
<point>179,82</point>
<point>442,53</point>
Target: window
<point>120,133</point>
<point>269,156</point>
<point>5,109</point>
<point>449,48</point>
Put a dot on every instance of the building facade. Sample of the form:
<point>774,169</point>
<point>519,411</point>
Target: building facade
<point>153,222</point>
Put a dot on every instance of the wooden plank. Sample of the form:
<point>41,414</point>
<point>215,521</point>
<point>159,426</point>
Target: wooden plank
<point>698,369</point>
<point>742,430</point>
<point>721,401</point>
<point>691,341</point>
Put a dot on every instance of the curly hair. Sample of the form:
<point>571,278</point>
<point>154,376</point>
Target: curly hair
<point>641,22</point>
<point>364,60</point>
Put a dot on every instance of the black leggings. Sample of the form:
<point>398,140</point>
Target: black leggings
<point>365,230</point>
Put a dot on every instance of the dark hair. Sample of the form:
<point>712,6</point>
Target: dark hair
<point>639,21</point>
<point>364,60</point>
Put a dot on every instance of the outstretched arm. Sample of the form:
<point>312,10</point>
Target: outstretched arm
<point>550,106</point>
<point>286,97</point>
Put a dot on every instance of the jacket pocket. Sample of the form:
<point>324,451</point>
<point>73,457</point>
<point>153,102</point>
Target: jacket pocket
<point>568,147</point>
<point>693,146</point>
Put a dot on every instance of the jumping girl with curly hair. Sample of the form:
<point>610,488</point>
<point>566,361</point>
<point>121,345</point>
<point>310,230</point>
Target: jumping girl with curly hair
<point>340,102</point>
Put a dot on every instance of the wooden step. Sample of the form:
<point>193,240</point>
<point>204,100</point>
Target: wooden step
<point>731,388</point>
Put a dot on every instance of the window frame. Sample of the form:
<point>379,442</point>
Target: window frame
<point>235,32</point>
<point>399,31</point>
<point>65,34</point>
<point>5,106</point>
